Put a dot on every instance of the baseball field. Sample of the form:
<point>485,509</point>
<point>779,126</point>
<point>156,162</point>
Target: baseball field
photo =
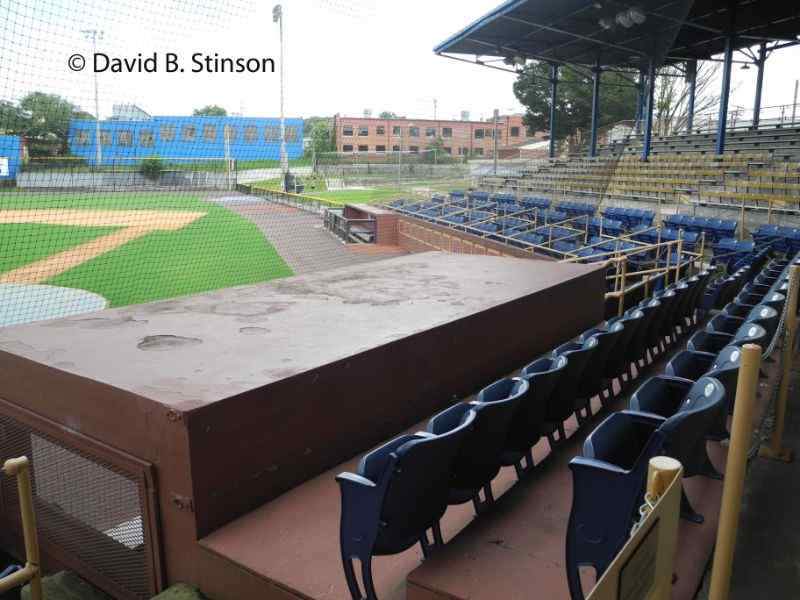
<point>131,247</point>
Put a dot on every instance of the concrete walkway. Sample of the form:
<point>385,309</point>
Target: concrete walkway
<point>300,237</point>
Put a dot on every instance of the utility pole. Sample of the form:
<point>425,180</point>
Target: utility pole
<point>435,103</point>
<point>277,17</point>
<point>496,116</point>
<point>794,104</point>
<point>94,35</point>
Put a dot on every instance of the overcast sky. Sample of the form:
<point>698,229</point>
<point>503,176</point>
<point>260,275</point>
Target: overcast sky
<point>342,56</point>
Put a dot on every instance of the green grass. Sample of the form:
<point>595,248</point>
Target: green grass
<point>24,243</point>
<point>371,196</point>
<point>218,250</point>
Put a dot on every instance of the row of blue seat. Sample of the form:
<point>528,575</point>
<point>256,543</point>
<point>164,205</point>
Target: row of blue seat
<point>400,490</point>
<point>715,229</point>
<point>672,414</point>
<point>649,235</point>
<point>630,217</point>
<point>782,239</point>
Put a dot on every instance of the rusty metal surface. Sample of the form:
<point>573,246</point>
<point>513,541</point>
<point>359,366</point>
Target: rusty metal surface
<point>192,351</point>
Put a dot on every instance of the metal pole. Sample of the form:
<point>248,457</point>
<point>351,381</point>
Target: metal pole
<point>553,97</point>
<point>733,487</point>
<point>691,77</point>
<point>776,450</point>
<point>648,122</point>
<point>94,34</point>
<point>277,16</point>
<point>595,110</point>
<point>637,124</point>
<point>794,104</point>
<point>494,139</point>
<point>762,58</point>
<point>724,95</point>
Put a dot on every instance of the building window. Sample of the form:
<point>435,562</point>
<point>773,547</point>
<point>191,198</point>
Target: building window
<point>347,148</point>
<point>146,138</point>
<point>413,131</point>
<point>462,151</point>
<point>250,134</point>
<point>479,134</point>
<point>229,133</point>
<point>347,130</point>
<point>105,137</point>
<point>430,132</point>
<point>124,138</point>
<point>291,133</point>
<point>380,130</point>
<point>396,130</point>
<point>414,149</point>
<point>363,131</point>
<point>210,133</point>
<point>449,150</point>
<point>515,132</point>
<point>395,148</point>
<point>529,132</point>
<point>189,133</point>
<point>380,148</point>
<point>82,137</point>
<point>272,134</point>
<point>167,133</point>
<point>447,132</point>
<point>363,148</point>
<point>477,151</point>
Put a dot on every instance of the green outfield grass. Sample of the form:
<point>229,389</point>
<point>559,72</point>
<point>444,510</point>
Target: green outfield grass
<point>218,250</point>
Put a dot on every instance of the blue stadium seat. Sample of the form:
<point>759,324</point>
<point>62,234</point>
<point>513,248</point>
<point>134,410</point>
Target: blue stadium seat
<point>478,459</point>
<point>399,492</point>
<point>593,379</point>
<point>527,425</point>
<point>607,491</point>
<point>562,401</point>
<point>691,410</point>
<point>706,341</point>
<point>533,202</point>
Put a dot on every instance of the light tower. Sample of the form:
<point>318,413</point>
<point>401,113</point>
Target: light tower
<point>94,35</point>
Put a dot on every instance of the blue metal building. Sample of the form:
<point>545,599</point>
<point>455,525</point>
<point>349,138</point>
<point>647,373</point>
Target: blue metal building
<point>10,156</point>
<point>185,138</point>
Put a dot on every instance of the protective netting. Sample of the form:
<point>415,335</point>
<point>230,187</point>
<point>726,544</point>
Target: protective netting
<point>169,191</point>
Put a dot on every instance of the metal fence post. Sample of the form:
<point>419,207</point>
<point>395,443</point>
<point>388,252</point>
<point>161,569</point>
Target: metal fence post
<point>19,467</point>
<point>775,450</point>
<point>741,434</point>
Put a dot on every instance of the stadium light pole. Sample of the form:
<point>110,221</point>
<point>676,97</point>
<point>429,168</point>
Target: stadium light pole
<point>277,17</point>
<point>94,35</point>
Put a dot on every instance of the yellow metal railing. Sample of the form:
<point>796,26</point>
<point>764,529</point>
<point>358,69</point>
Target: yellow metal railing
<point>31,572</point>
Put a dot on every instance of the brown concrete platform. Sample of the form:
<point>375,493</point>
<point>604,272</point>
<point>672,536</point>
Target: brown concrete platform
<point>235,397</point>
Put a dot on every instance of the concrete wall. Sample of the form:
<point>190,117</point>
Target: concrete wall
<point>124,180</point>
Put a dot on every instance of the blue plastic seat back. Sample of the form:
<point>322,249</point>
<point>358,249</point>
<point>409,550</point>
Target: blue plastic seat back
<point>616,361</point>
<point>750,333</point>
<point>526,426</point>
<point>686,430</point>
<point>595,371</point>
<point>724,323</point>
<point>478,460</point>
<point>399,491</point>
<point>608,488</point>
<point>690,364</point>
<point>567,389</point>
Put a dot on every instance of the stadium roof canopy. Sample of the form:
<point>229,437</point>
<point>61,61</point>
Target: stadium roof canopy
<point>623,34</point>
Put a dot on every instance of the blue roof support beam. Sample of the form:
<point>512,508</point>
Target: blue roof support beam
<point>637,124</point>
<point>691,78</point>
<point>648,120</point>
<point>596,75</point>
<point>553,98</point>
<point>762,58</point>
<point>725,94</point>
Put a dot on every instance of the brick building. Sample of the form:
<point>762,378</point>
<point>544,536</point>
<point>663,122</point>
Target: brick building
<point>460,138</point>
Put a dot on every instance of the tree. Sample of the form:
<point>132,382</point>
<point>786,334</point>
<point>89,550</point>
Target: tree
<point>320,130</point>
<point>574,100</point>
<point>671,103</point>
<point>387,114</point>
<point>47,118</point>
<point>13,120</point>
<point>210,110</point>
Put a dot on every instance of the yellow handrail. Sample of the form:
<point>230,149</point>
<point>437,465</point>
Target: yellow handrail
<point>31,572</point>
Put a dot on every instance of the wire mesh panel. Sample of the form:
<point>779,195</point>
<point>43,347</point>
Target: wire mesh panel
<point>92,515</point>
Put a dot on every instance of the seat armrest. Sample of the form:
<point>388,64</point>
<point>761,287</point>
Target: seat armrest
<point>347,479</point>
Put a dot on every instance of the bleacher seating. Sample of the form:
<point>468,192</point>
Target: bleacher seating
<point>401,489</point>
